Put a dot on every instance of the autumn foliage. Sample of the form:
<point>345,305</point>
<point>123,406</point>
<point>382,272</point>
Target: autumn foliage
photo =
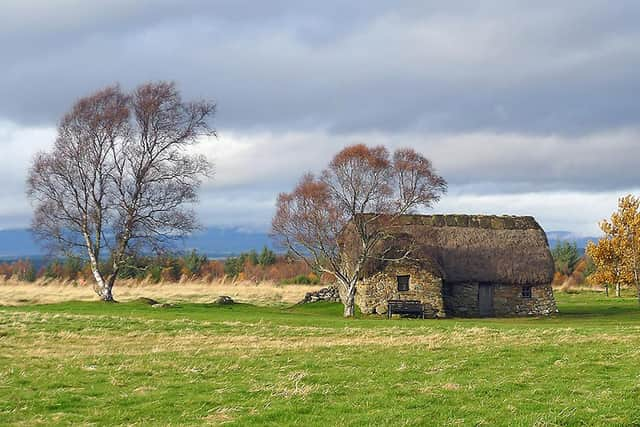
<point>578,275</point>
<point>363,187</point>
<point>248,266</point>
<point>22,270</point>
<point>617,254</point>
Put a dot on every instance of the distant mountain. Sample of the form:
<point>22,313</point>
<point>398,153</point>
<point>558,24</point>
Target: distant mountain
<point>556,237</point>
<point>214,241</point>
<point>17,243</point>
<point>222,242</point>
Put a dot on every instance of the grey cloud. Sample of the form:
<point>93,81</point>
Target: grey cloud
<point>573,211</point>
<point>409,65</point>
<point>242,207</point>
<point>568,183</point>
<point>516,102</point>
<point>473,163</point>
<point>555,178</point>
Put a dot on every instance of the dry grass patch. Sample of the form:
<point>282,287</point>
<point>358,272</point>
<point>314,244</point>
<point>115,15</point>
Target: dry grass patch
<point>290,386</point>
<point>221,416</point>
<point>13,292</point>
<point>19,337</point>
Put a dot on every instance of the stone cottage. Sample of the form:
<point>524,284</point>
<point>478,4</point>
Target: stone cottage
<point>462,265</point>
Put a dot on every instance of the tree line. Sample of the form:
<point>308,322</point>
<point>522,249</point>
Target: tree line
<point>613,261</point>
<point>192,266</point>
<point>571,267</point>
<point>617,255</point>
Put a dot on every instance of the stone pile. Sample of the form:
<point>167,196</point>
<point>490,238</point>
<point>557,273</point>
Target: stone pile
<point>224,300</point>
<point>153,303</point>
<point>329,294</point>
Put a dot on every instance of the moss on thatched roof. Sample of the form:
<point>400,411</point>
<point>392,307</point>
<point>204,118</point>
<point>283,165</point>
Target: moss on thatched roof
<point>493,222</point>
<point>480,248</point>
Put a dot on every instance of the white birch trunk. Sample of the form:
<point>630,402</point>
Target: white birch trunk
<point>636,279</point>
<point>350,300</point>
<point>104,288</point>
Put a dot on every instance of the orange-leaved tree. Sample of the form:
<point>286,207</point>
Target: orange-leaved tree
<point>364,187</point>
<point>617,255</point>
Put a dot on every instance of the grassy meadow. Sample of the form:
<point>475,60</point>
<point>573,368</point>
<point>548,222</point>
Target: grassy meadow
<point>90,363</point>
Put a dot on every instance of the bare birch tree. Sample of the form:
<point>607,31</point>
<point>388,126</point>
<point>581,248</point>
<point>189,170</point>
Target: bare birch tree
<point>120,177</point>
<point>362,188</point>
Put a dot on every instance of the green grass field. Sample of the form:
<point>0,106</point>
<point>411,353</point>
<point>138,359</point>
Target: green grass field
<point>94,363</point>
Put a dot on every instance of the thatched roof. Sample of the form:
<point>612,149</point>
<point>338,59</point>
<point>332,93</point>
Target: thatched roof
<point>480,248</point>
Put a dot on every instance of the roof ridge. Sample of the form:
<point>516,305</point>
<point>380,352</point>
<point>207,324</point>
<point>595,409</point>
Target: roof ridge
<point>495,222</point>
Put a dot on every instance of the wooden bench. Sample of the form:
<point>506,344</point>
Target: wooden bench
<point>413,307</point>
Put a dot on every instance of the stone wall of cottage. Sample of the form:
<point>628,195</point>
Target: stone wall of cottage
<point>374,291</point>
<point>461,299</point>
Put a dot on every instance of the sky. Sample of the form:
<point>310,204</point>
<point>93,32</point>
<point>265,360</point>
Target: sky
<point>526,108</point>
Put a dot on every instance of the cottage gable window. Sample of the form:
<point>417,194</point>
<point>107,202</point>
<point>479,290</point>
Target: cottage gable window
<point>403,283</point>
<point>526,292</point>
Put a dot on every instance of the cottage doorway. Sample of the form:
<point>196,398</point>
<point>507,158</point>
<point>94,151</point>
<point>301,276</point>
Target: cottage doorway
<point>485,299</point>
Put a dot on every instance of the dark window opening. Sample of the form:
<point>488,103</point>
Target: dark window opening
<point>526,292</point>
<point>447,289</point>
<point>403,283</point>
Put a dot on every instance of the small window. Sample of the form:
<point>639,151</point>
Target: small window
<point>526,292</point>
<point>403,283</point>
<point>447,290</point>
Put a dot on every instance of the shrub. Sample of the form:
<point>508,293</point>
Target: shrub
<point>302,279</point>
<point>53,270</point>
<point>267,257</point>
<point>155,273</point>
<point>171,271</point>
<point>24,271</point>
<point>6,270</point>
<point>565,256</point>
<point>212,269</point>
<point>134,268</point>
<point>233,266</point>
<point>192,263</point>
<point>72,267</point>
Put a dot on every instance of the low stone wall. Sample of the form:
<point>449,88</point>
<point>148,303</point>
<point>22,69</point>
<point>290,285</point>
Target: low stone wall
<point>461,300</point>
<point>374,292</point>
<point>329,294</point>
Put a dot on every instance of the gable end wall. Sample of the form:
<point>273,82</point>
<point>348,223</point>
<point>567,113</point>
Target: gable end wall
<point>373,292</point>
